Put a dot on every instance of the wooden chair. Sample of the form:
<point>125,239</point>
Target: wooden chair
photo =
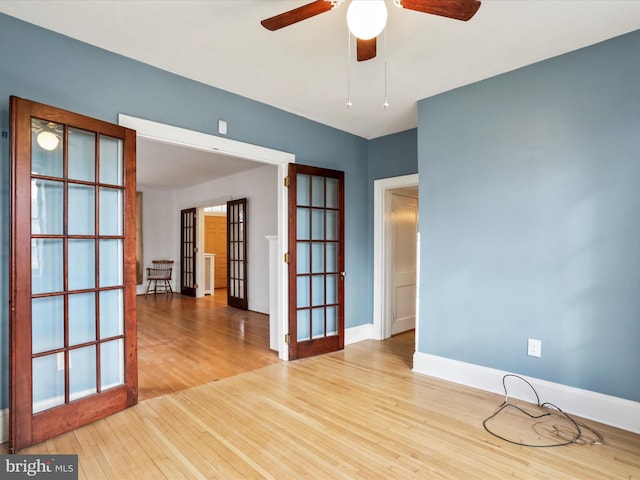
<point>160,275</point>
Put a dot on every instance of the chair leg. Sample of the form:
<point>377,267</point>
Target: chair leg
<point>148,287</point>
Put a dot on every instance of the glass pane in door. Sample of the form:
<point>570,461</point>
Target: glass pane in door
<point>303,192</point>
<point>82,152</point>
<point>317,257</point>
<point>111,263</point>
<point>47,323</point>
<point>46,154</point>
<point>111,313</point>
<point>82,210</point>
<point>47,274</point>
<point>81,264</point>
<point>317,191</point>
<point>82,318</point>
<point>111,209</point>
<point>331,188</point>
<point>111,161</point>
<point>47,197</point>
<point>82,372</point>
<point>48,381</point>
<point>331,314</point>
<point>303,325</point>
<point>111,364</point>
<point>317,322</point>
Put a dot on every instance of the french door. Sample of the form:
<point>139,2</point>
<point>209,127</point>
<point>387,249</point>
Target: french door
<point>73,350</point>
<point>316,261</point>
<point>188,252</point>
<point>237,254</point>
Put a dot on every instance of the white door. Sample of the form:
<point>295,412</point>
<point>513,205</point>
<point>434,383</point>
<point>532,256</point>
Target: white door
<point>404,228</point>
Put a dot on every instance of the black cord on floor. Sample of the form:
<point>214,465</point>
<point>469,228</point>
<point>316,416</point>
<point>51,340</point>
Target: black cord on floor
<point>575,436</point>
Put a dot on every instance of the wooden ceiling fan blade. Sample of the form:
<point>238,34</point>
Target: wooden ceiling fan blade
<point>296,15</point>
<point>365,49</point>
<point>456,9</point>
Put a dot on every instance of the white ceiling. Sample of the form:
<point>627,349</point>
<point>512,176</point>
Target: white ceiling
<point>303,68</point>
<point>168,166</point>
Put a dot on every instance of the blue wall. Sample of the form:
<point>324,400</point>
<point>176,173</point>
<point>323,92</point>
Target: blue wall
<point>393,155</point>
<point>49,68</point>
<point>530,220</point>
<point>389,156</point>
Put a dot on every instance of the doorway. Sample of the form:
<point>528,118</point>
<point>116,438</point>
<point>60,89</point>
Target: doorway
<point>214,261</point>
<point>384,300</point>
<point>222,253</point>
<point>402,232</point>
<point>176,136</point>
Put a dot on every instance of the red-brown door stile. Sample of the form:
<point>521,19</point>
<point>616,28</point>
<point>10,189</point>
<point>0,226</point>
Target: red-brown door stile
<point>27,427</point>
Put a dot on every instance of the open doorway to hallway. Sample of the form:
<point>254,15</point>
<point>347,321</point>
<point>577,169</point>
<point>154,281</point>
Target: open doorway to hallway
<point>214,260</point>
<point>396,249</point>
<point>401,240</point>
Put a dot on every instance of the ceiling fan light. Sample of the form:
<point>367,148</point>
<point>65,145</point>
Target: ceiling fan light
<point>47,140</point>
<point>366,18</point>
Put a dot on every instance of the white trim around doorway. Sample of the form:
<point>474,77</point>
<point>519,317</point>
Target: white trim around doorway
<point>225,146</point>
<point>382,328</point>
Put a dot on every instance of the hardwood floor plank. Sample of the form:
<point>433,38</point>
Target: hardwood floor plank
<point>360,413</point>
<point>184,342</point>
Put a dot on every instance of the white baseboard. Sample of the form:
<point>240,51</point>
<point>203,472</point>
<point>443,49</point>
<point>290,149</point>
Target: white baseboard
<point>357,334</point>
<point>614,411</point>
<point>4,425</point>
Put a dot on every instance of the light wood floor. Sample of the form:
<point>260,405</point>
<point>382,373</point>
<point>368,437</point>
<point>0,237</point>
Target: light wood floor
<point>184,342</point>
<point>360,413</point>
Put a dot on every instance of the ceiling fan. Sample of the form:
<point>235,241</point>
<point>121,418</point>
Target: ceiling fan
<point>366,47</point>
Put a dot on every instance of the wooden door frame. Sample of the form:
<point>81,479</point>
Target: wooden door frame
<point>381,255</point>
<point>202,141</point>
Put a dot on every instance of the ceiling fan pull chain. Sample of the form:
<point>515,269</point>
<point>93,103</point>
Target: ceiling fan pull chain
<point>349,104</point>
<point>386,101</point>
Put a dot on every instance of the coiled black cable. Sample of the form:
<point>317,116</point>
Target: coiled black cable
<point>577,436</point>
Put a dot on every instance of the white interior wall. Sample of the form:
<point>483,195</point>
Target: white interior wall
<point>157,244</point>
<point>259,186</point>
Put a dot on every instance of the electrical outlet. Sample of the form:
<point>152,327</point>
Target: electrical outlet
<point>534,347</point>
